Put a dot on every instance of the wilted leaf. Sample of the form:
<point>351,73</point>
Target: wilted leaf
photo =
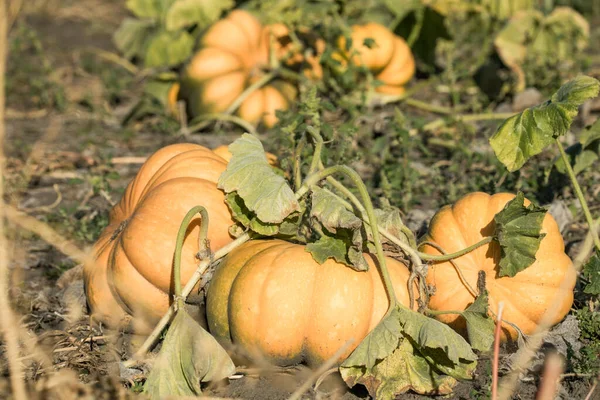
<point>391,221</point>
<point>518,232</point>
<point>526,134</point>
<point>378,344</point>
<point>403,370</point>
<point>438,342</point>
<point>189,355</point>
<point>344,247</point>
<point>184,13</point>
<point>152,9</point>
<point>247,218</point>
<point>167,49</point>
<point>131,37</point>
<point>480,327</point>
<point>591,271</point>
<point>249,174</point>
<point>330,211</point>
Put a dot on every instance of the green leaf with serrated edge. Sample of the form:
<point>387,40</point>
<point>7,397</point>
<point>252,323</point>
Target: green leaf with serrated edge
<point>130,37</point>
<point>403,370</point>
<point>247,218</point>
<point>167,49</point>
<point>378,344</point>
<point>591,271</point>
<point>430,335</point>
<point>328,247</point>
<point>152,9</point>
<point>480,327</point>
<point>189,355</point>
<point>518,233</point>
<point>330,211</point>
<point>184,13</point>
<point>342,247</point>
<point>249,174</point>
<point>526,134</point>
<point>390,220</point>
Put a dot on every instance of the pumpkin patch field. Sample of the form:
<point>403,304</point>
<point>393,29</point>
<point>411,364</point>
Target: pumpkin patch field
<point>301,199</point>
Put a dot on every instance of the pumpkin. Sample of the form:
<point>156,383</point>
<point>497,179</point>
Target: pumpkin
<point>526,296</point>
<point>271,298</point>
<point>388,56</point>
<point>172,95</point>
<point>234,52</point>
<point>132,273</point>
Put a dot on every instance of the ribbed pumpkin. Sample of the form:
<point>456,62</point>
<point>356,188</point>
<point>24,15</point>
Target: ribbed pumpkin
<point>234,52</point>
<point>387,56</point>
<point>132,274</point>
<point>526,296</point>
<point>269,297</point>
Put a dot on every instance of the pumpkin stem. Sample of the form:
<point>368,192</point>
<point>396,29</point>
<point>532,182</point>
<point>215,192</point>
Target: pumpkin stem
<point>451,256</point>
<point>368,207</point>
<point>584,206</point>
<point>202,240</point>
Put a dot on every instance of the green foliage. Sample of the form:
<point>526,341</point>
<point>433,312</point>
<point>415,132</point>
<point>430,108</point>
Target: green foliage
<point>164,32</point>
<point>528,133</point>
<point>591,272</point>
<point>535,46</point>
<point>480,327</point>
<point>189,355</point>
<point>518,230</point>
<point>588,360</point>
<point>583,154</point>
<point>31,81</point>
<point>409,351</point>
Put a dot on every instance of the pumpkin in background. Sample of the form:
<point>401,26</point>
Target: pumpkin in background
<point>132,273</point>
<point>272,297</point>
<point>526,296</point>
<point>233,55</point>
<point>172,95</point>
<point>388,56</point>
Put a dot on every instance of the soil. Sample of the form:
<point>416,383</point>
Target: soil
<point>61,169</point>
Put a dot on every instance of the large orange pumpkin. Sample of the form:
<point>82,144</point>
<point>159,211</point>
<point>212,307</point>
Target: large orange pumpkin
<point>132,273</point>
<point>526,296</point>
<point>234,53</point>
<point>270,297</point>
<point>387,56</point>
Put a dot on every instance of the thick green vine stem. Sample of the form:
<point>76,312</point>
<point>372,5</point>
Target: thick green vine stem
<point>368,205</point>
<point>447,257</point>
<point>579,193</point>
<point>202,240</point>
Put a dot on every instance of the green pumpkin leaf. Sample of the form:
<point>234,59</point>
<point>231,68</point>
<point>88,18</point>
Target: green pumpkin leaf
<point>331,212</point>
<point>390,220</point>
<point>403,370</point>
<point>184,13</point>
<point>409,351</point>
<point>328,247</point>
<point>378,344</point>
<point>247,218</point>
<point>166,49</point>
<point>526,134</point>
<point>189,355</point>
<point>584,154</point>
<point>480,327</point>
<point>438,342</point>
<point>264,192</point>
<point>344,247</point>
<point>151,9</point>
<point>591,271</point>
<point>518,230</point>
<point>130,37</point>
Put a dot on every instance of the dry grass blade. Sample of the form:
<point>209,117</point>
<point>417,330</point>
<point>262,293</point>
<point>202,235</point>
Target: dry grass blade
<point>495,361</point>
<point>8,321</point>
<point>46,233</point>
<point>526,353</point>
<point>320,371</point>
<point>592,389</point>
<point>553,369</point>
